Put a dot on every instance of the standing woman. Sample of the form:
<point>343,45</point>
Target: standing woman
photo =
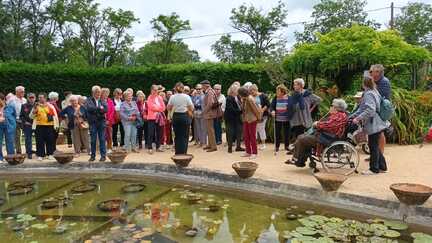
<point>155,105</point>
<point>45,119</point>
<point>118,93</point>
<point>7,125</point>
<point>109,118</point>
<point>182,107</point>
<point>142,128</point>
<point>303,102</point>
<point>263,104</point>
<point>233,120</point>
<point>251,115</point>
<point>280,112</point>
<point>53,99</point>
<point>200,129</point>
<point>367,114</point>
<point>130,117</point>
<point>77,124</point>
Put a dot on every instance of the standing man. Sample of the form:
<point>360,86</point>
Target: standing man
<point>96,109</point>
<point>27,123</point>
<point>17,103</point>
<point>218,120</point>
<point>212,110</point>
<point>383,86</point>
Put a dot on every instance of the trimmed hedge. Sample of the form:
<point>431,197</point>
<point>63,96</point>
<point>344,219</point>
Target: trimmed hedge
<point>79,80</point>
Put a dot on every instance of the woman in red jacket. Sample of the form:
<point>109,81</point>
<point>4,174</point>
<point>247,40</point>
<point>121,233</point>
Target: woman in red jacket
<point>109,118</point>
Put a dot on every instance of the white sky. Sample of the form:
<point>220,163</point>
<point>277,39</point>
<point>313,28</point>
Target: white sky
<point>210,17</point>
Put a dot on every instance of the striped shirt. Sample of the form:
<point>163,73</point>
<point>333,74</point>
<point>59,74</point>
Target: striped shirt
<point>282,109</point>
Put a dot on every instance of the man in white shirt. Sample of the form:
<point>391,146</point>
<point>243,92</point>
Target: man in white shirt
<point>18,101</point>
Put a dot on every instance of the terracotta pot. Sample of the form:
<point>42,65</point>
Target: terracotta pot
<point>117,156</point>
<point>329,181</point>
<point>182,160</point>
<point>245,169</point>
<point>63,158</point>
<point>15,159</point>
<point>411,194</point>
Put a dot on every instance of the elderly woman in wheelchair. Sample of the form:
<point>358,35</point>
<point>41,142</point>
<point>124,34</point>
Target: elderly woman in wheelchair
<point>322,135</point>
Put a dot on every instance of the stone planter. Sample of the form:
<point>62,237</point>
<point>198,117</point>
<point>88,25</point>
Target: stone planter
<point>63,158</point>
<point>330,182</point>
<point>245,169</point>
<point>411,194</point>
<point>117,156</point>
<point>15,159</point>
<point>182,160</point>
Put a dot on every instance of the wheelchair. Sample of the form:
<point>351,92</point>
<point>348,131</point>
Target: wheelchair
<point>338,155</point>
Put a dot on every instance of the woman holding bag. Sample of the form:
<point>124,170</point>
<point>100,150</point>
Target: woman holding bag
<point>77,124</point>
<point>251,116</point>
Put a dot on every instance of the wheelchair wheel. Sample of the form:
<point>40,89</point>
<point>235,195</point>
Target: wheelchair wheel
<point>340,157</point>
<point>365,148</point>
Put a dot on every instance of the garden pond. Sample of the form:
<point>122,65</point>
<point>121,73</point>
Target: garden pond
<point>106,208</point>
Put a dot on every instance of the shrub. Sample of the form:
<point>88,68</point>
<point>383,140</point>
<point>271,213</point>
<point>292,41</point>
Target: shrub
<point>37,78</point>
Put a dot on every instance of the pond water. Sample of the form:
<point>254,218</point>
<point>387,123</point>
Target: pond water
<point>69,209</point>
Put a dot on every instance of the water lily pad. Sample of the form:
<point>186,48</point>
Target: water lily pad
<point>392,234</point>
<point>421,237</point>
<point>306,231</point>
<point>308,223</point>
<point>396,225</point>
<point>318,218</point>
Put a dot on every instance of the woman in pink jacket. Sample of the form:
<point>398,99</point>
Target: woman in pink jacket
<point>109,117</point>
<point>155,109</point>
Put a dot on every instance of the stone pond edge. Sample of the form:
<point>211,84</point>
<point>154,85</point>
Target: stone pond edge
<point>419,215</point>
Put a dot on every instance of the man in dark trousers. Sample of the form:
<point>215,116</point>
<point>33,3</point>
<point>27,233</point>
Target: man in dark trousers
<point>96,109</point>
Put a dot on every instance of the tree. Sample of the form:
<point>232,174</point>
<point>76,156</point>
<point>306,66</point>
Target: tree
<point>330,14</point>
<point>344,53</point>
<point>233,51</point>
<point>415,24</point>
<point>153,53</point>
<point>166,28</point>
<point>260,27</point>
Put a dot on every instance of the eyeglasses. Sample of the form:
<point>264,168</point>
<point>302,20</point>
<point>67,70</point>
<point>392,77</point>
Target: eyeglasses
<point>32,97</point>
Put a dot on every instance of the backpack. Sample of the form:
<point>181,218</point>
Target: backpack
<point>387,110</point>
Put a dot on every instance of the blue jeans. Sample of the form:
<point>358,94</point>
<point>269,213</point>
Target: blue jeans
<point>97,130</point>
<point>130,131</point>
<point>217,124</point>
<point>28,135</point>
<point>10,140</point>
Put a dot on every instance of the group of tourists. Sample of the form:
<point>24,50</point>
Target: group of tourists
<point>166,117</point>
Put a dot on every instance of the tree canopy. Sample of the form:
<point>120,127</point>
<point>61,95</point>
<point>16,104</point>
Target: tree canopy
<point>330,14</point>
<point>262,29</point>
<point>64,31</point>
<point>166,28</point>
<point>344,53</point>
<point>415,24</point>
<point>153,54</point>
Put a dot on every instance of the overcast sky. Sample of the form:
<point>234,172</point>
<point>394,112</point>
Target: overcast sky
<point>212,17</point>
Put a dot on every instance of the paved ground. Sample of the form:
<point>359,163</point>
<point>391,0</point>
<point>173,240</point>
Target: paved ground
<point>406,164</point>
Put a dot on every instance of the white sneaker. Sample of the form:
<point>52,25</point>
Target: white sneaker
<point>253,156</point>
<point>39,158</point>
<point>245,155</point>
<point>368,172</point>
<point>109,151</point>
<point>50,157</point>
<point>263,146</point>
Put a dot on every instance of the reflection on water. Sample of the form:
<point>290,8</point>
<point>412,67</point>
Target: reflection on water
<point>165,213</point>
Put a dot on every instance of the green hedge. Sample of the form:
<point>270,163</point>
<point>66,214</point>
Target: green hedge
<point>59,78</point>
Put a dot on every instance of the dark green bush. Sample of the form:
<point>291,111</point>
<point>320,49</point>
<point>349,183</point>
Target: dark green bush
<point>38,78</point>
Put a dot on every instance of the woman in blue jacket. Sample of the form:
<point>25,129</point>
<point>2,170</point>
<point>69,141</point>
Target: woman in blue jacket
<point>7,126</point>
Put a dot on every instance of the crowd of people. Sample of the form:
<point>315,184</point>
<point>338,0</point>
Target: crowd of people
<point>186,115</point>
